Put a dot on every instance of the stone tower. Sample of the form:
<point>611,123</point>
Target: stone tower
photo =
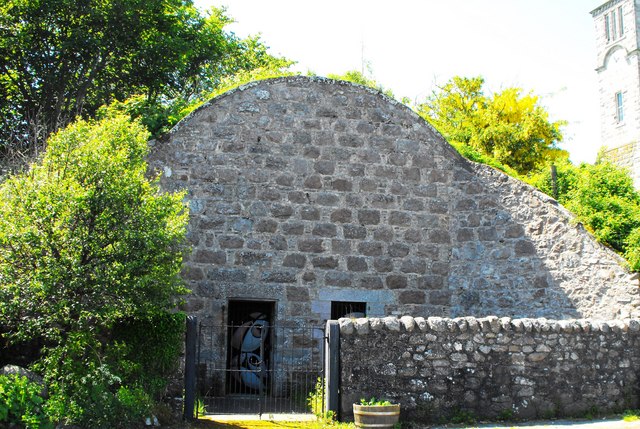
<point>618,66</point>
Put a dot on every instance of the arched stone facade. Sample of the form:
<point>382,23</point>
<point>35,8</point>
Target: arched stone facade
<point>312,193</point>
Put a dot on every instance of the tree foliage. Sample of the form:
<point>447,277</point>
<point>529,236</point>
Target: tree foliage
<point>66,58</point>
<point>160,118</point>
<point>511,132</point>
<point>360,78</point>
<point>90,255</point>
<point>507,126</point>
<point>604,200</point>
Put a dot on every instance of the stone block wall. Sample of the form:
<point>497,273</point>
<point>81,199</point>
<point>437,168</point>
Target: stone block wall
<point>491,367</point>
<point>306,191</point>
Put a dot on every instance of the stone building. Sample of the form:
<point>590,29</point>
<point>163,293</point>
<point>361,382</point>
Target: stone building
<point>312,199</point>
<point>618,67</point>
<point>307,193</point>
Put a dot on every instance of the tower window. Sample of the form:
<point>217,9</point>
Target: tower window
<point>619,107</point>
<point>614,24</point>
<point>620,22</point>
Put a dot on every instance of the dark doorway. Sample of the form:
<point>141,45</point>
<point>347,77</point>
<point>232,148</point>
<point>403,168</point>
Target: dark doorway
<point>249,346</point>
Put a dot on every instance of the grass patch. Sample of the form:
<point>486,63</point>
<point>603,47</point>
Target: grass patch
<point>631,416</point>
<point>266,424</point>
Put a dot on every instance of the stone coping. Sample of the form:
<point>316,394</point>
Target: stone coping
<point>489,324</point>
<point>293,79</point>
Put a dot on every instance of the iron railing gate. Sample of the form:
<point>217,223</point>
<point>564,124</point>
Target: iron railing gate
<point>258,368</point>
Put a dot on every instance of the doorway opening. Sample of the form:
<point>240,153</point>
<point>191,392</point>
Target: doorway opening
<point>249,346</point>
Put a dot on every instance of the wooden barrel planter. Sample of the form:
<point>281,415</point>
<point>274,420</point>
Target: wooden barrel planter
<point>376,416</point>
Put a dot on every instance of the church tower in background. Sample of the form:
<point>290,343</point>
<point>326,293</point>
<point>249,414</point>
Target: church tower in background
<point>618,65</point>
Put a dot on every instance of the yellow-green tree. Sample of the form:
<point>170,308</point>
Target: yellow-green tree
<point>510,127</point>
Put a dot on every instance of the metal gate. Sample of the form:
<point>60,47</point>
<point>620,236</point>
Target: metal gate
<point>260,368</point>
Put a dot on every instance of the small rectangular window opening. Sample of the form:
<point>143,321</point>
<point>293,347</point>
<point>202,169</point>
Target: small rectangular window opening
<point>607,27</point>
<point>348,309</point>
<point>620,22</point>
<point>614,24</point>
<point>619,107</point>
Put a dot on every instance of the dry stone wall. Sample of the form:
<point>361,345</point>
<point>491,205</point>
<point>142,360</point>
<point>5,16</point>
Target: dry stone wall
<point>490,367</point>
<point>307,191</point>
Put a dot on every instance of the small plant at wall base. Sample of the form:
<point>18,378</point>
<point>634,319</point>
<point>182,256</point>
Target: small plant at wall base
<point>592,413</point>
<point>505,415</point>
<point>317,400</point>
<point>463,417</point>
<point>201,408</point>
<point>374,402</point>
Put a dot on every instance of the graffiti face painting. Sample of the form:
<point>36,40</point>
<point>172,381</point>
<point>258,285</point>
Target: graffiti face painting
<point>249,353</point>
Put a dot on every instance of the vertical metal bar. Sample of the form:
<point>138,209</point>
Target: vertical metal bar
<point>332,367</point>
<point>198,350</point>
<point>190,368</point>
<point>262,370</point>
<point>321,368</point>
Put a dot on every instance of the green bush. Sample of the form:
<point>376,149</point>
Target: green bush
<point>90,255</point>
<point>604,200</point>
<point>89,388</point>
<point>145,349</point>
<point>631,415</point>
<point>21,403</point>
<point>632,250</point>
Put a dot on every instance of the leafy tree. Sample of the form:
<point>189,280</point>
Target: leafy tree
<point>512,133</point>
<point>507,126</point>
<point>90,255</point>
<point>64,58</point>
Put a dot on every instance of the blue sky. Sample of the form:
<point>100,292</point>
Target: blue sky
<point>543,46</point>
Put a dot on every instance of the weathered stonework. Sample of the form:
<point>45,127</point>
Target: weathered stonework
<point>306,191</point>
<point>492,367</point>
<point>626,156</point>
